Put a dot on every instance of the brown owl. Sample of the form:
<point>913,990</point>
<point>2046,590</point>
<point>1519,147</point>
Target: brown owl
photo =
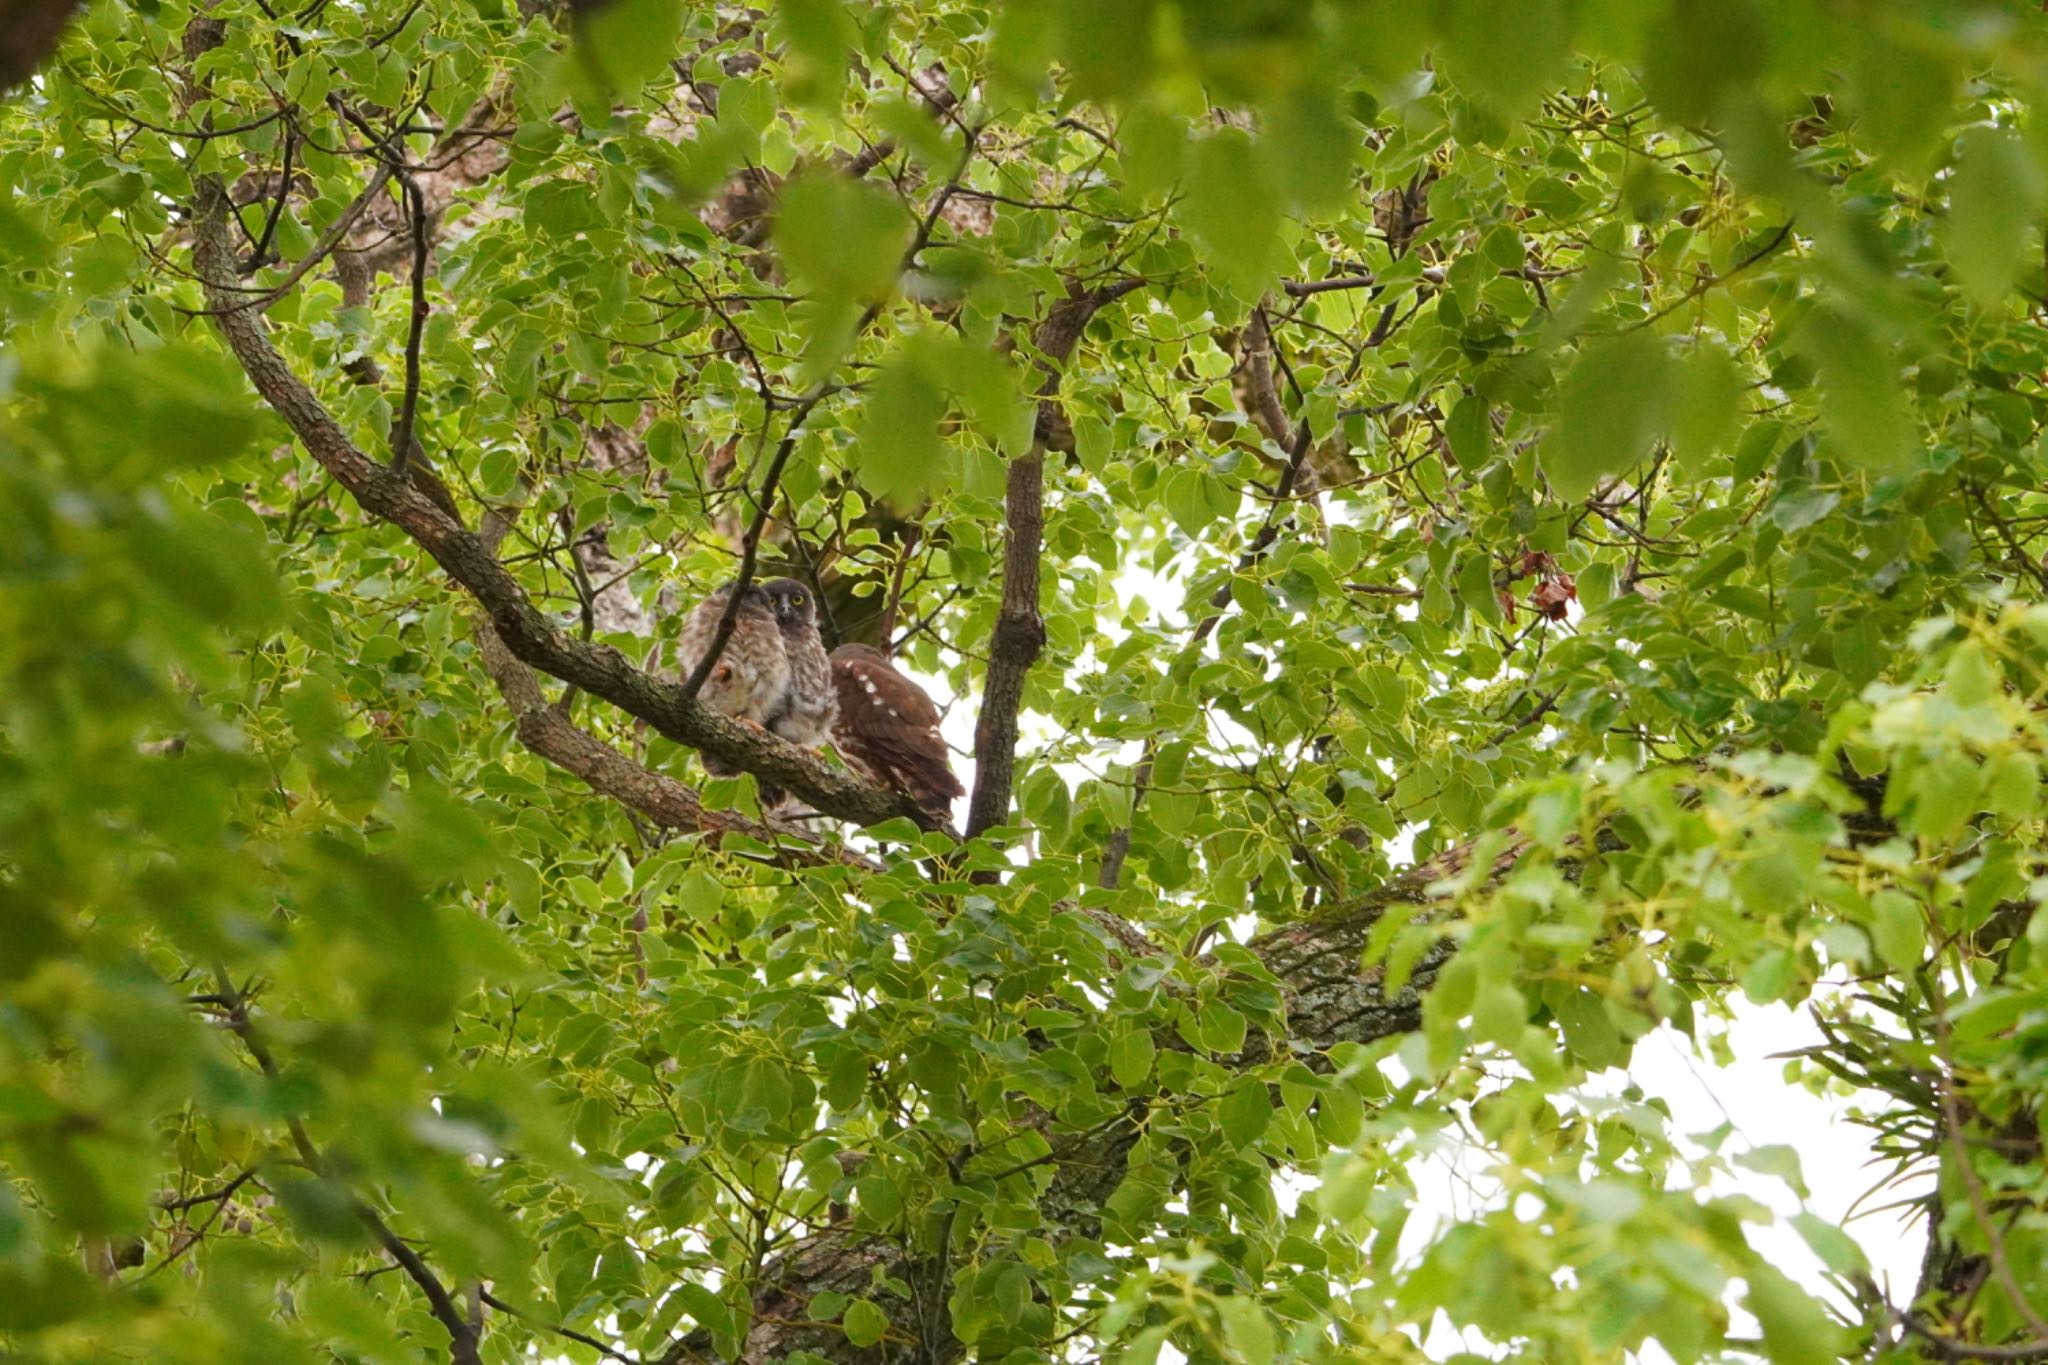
<point>750,681</point>
<point>888,730</point>
<point>807,707</point>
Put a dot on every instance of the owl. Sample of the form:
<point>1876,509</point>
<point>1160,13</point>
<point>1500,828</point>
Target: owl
<point>806,714</point>
<point>750,681</point>
<point>887,730</point>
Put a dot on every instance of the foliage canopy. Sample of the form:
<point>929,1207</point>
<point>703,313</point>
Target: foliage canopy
<point>1468,534</point>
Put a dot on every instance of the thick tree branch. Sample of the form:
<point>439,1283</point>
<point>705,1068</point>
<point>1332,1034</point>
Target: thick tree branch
<point>1020,632</point>
<point>597,669</point>
<point>543,728</point>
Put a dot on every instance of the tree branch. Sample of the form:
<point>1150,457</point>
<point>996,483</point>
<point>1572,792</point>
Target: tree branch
<point>1020,632</point>
<point>597,669</point>
<point>408,412</point>
<point>750,544</point>
<point>1966,1171</point>
<point>464,1336</point>
<point>543,728</point>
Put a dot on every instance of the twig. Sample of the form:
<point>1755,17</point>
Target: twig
<point>329,239</point>
<point>463,1336</point>
<point>750,545</point>
<point>894,601</point>
<point>1778,239</point>
<point>259,254</point>
<point>1948,1348</point>
<point>566,1333</point>
<point>213,1196</point>
<point>402,439</point>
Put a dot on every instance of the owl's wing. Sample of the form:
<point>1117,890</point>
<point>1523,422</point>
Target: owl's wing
<point>888,725</point>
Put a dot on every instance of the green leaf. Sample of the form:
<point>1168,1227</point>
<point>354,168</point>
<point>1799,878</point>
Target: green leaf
<point>1994,201</point>
<point>1862,401</point>
<point>864,1323</point>
<point>843,239</point>
<point>1311,148</point>
<point>625,42</point>
<point>1699,55</point>
<point>1346,1187</point>
<point>1232,209</point>
<point>1797,1330</point>
<point>1469,429</point>
<point>2014,787</point>
<point>1144,1348</point>
<point>820,33</point>
<point>1610,409</point>
<point>1222,1028</point>
<point>1476,589</point>
<point>1107,48</point>
<point>900,453</point>
<point>1506,56</point>
<point>1245,1113</point>
<point>1836,1249</point>
<point>699,895</point>
<point>1248,1330</point>
<point>1706,407</point>
<point>1153,146</point>
<point>1898,930</point>
<point>1130,1058</point>
<point>1902,96</point>
<point>880,1200</point>
<point>1944,796</point>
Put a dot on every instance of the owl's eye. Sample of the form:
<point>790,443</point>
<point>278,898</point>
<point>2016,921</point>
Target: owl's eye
<point>797,600</point>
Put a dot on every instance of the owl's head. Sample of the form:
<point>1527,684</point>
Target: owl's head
<point>792,602</point>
